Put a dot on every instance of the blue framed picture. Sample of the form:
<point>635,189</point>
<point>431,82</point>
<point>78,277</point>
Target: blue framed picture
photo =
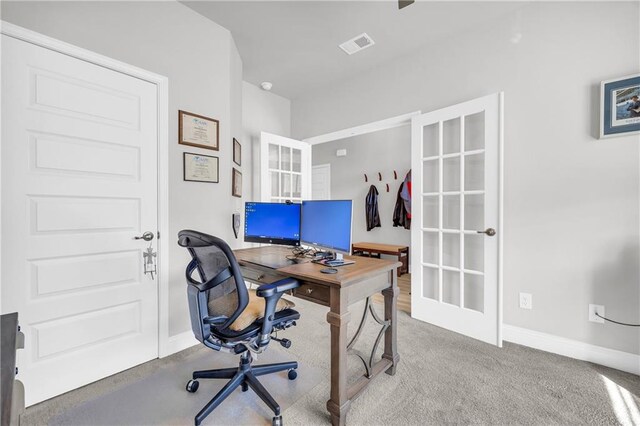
<point>620,106</point>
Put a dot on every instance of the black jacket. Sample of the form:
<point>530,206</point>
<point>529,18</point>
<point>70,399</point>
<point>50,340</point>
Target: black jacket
<point>400,212</point>
<point>371,208</point>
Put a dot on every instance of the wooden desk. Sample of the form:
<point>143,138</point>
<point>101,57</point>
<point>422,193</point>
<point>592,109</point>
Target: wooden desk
<point>351,284</point>
<point>376,249</point>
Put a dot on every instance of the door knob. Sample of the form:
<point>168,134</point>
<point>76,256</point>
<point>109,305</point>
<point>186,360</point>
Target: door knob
<point>489,231</point>
<point>147,236</point>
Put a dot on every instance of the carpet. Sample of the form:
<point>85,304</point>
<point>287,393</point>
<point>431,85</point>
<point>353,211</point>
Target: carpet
<point>442,378</point>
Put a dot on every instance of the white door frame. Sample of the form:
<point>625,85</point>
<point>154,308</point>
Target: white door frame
<point>162,84</point>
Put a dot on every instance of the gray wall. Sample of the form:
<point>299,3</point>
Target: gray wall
<point>383,151</point>
<point>571,201</point>
<point>205,76</point>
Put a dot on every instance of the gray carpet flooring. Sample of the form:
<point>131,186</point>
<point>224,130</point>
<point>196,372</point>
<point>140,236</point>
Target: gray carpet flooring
<point>442,378</point>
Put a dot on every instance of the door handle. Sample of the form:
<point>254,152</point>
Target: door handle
<point>147,236</point>
<point>489,231</point>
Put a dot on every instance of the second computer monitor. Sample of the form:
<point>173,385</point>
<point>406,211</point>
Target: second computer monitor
<point>327,224</point>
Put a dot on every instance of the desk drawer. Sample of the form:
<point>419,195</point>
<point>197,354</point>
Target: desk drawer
<point>258,276</point>
<point>313,292</point>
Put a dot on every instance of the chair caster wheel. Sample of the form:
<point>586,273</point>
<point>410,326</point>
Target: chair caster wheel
<point>277,421</point>
<point>292,374</point>
<point>192,386</point>
<point>245,387</point>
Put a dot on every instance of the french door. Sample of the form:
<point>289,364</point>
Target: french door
<point>285,169</point>
<point>79,183</point>
<point>456,210</point>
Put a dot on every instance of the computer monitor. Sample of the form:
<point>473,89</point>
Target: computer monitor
<point>327,224</point>
<point>272,223</point>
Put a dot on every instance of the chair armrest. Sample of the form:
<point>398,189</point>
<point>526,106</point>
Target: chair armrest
<point>272,293</point>
<point>268,290</point>
<point>217,320</point>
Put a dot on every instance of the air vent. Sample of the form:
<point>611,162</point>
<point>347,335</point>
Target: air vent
<point>357,43</point>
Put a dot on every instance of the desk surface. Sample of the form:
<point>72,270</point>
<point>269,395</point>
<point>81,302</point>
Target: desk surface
<point>275,257</point>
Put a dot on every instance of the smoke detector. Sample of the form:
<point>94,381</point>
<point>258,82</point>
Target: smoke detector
<point>357,44</point>
<point>266,85</point>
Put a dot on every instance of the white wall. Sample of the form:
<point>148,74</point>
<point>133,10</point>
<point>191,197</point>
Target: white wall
<point>382,151</point>
<point>571,201</point>
<point>205,72</point>
<point>261,112</point>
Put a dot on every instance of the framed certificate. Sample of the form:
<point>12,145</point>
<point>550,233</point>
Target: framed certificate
<point>236,183</point>
<point>200,168</point>
<point>198,130</point>
<point>237,152</point>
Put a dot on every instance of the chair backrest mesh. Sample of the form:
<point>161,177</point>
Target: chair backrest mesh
<point>223,298</point>
<point>214,260</point>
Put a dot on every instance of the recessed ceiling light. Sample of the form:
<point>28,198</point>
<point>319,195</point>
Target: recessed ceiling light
<point>266,85</point>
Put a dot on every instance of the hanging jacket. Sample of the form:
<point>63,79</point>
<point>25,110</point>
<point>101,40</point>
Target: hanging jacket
<point>371,208</point>
<point>400,215</point>
<point>406,194</point>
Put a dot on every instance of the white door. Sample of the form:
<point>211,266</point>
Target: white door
<point>321,182</point>
<point>285,169</point>
<point>456,229</point>
<point>79,182</point>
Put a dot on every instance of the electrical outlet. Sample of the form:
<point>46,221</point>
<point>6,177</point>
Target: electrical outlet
<point>526,301</point>
<point>592,313</point>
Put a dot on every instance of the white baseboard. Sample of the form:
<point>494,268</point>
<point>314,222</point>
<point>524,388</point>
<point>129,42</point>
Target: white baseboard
<point>572,348</point>
<point>178,343</point>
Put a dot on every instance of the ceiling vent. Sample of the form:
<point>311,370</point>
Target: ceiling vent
<point>357,44</point>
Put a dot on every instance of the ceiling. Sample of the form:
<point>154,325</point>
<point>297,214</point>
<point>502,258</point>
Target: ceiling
<point>294,44</point>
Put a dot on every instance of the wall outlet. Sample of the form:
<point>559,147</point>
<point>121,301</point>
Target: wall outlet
<point>341,153</point>
<point>526,301</point>
<point>592,313</point>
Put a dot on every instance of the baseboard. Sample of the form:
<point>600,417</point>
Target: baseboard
<point>572,348</point>
<point>178,343</point>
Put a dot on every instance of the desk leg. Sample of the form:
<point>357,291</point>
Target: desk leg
<point>391,314</point>
<point>338,318</point>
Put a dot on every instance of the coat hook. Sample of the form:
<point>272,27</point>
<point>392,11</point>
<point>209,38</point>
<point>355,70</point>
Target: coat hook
<point>395,175</point>
<point>387,187</point>
<point>365,178</point>
<point>380,176</point>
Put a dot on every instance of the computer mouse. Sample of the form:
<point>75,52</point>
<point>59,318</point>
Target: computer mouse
<point>329,271</point>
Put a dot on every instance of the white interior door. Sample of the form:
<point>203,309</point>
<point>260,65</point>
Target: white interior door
<point>321,182</point>
<point>79,182</point>
<point>456,163</point>
<point>285,169</point>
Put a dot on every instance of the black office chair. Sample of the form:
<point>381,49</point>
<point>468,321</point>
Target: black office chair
<point>215,302</point>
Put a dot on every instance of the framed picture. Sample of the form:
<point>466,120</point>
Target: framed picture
<point>620,106</point>
<point>236,183</point>
<point>200,168</point>
<point>198,130</point>
<point>237,152</point>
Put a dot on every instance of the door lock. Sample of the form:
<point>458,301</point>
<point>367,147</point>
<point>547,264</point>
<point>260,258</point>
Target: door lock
<point>489,231</point>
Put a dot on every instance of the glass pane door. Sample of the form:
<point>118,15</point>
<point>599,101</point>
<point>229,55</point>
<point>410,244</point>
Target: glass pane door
<point>455,170</point>
<point>285,170</point>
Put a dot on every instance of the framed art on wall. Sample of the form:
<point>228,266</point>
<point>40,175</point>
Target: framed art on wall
<point>198,130</point>
<point>200,168</point>
<point>620,106</point>
<point>237,152</point>
<point>236,183</point>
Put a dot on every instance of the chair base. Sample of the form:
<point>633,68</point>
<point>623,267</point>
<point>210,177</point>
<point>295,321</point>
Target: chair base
<point>246,375</point>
